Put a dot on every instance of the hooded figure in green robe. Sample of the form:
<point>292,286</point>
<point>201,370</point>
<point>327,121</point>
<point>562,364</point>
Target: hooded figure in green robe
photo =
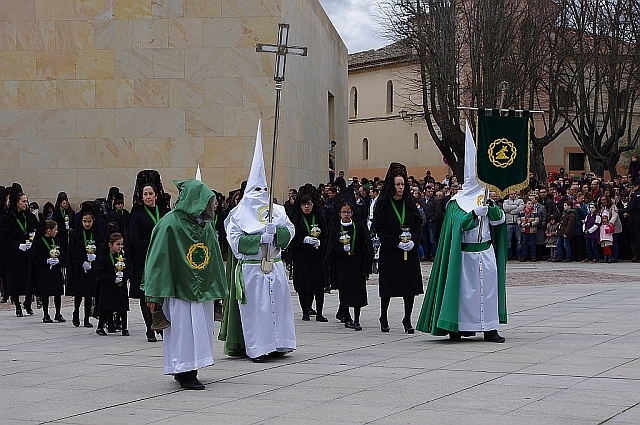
<point>184,272</point>
<point>466,291</point>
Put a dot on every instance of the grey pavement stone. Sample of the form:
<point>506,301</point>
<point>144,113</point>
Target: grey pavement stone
<point>572,356</point>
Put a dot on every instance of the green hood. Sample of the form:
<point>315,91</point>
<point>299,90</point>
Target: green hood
<point>195,199</point>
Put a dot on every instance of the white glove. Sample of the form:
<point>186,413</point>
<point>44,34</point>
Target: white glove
<point>91,257</point>
<point>410,245</point>
<point>270,228</point>
<point>119,274</point>
<point>118,279</point>
<point>406,246</point>
<point>347,248</point>
<point>28,243</point>
<point>266,238</point>
<point>316,242</point>
<point>23,246</point>
<point>86,266</point>
<point>481,211</point>
<point>52,261</point>
<point>308,239</point>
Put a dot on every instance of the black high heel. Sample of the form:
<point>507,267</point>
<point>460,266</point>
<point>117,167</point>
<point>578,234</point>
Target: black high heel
<point>384,325</point>
<point>407,326</point>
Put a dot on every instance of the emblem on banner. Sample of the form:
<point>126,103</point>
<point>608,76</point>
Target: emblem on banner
<point>502,153</point>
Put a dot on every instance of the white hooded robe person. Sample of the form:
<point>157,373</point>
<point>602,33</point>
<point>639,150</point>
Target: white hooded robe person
<point>478,301</point>
<point>266,310</point>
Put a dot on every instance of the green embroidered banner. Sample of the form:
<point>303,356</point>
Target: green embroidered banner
<point>503,151</point>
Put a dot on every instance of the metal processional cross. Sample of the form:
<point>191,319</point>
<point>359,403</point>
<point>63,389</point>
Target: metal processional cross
<point>281,50</point>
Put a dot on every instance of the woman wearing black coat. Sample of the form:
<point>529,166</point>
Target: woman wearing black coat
<point>16,228</point>
<point>64,215</point>
<point>113,286</point>
<point>148,209</point>
<point>398,277</point>
<point>81,278</point>
<point>308,252</point>
<point>47,270</point>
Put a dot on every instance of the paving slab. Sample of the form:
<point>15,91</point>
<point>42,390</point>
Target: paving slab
<point>572,356</point>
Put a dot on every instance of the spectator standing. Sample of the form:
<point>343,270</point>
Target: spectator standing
<point>567,223</point>
<point>634,167</point>
<point>512,207</point>
<point>433,214</point>
<point>528,222</point>
<point>591,229</point>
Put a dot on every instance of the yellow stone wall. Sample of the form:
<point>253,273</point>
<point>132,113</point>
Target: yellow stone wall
<point>92,91</point>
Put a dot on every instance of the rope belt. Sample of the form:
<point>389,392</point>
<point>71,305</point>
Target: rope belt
<point>475,247</point>
<point>240,293</point>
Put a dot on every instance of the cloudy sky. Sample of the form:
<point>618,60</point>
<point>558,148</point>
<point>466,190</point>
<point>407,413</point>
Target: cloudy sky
<point>356,22</point>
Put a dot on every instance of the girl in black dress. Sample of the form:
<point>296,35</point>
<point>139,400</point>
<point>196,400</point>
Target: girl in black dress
<point>17,230</point>
<point>64,215</point>
<point>396,218</point>
<point>46,262</point>
<point>350,246</point>
<point>80,270</point>
<point>112,275</point>
<point>308,252</point>
<point>148,209</point>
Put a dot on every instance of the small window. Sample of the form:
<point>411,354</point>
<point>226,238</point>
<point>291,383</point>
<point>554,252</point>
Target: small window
<point>415,140</point>
<point>564,97</point>
<point>365,149</point>
<point>353,104</point>
<point>576,161</point>
<point>389,97</point>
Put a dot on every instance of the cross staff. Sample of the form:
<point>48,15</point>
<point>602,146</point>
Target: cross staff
<point>281,50</point>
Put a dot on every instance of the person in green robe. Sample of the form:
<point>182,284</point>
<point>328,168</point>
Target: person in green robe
<point>184,273</point>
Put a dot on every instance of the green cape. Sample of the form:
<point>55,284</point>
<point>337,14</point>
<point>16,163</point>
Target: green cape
<point>184,259</point>
<point>439,314</point>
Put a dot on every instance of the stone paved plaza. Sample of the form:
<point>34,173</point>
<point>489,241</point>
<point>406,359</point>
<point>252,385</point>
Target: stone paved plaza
<point>572,356</point>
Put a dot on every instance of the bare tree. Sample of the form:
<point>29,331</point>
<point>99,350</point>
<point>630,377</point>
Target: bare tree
<point>465,48</point>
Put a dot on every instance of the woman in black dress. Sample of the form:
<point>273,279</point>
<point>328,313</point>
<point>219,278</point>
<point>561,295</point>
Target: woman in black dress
<point>17,230</point>
<point>308,252</point>
<point>80,270</point>
<point>396,218</point>
<point>352,262</point>
<point>112,284</point>
<point>64,215</point>
<point>46,262</point>
<point>148,208</point>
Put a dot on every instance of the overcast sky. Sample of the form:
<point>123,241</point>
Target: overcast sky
<point>356,23</point>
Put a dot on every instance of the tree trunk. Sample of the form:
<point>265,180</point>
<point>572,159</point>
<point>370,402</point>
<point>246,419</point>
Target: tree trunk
<point>537,162</point>
<point>596,166</point>
<point>612,161</point>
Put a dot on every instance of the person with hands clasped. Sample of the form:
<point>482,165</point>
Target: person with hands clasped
<point>350,246</point>
<point>46,260</point>
<point>80,271</point>
<point>17,231</point>
<point>308,251</point>
<point>591,229</point>
<point>112,274</point>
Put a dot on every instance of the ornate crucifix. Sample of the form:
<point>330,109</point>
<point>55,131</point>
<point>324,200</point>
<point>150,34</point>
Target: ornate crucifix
<point>281,50</point>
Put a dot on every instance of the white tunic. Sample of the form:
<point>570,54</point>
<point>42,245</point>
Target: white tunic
<point>188,342</point>
<point>478,300</point>
<point>267,317</point>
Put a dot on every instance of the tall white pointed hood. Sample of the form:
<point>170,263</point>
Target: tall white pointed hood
<point>251,213</point>
<point>198,174</point>
<point>472,194</point>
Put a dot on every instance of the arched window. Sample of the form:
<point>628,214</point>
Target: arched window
<point>365,149</point>
<point>389,97</point>
<point>353,102</point>
<point>415,140</point>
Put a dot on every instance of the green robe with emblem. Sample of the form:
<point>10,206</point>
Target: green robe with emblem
<point>439,314</point>
<point>184,259</point>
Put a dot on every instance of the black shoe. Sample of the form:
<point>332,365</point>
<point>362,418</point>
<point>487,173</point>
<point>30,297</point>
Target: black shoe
<point>312,312</point>
<point>356,326</point>
<point>47,319</point>
<point>3,301</point>
<point>125,332</point>
<point>259,359</point>
<point>75,320</point>
<point>407,326</point>
<point>192,385</point>
<point>349,324</point>
<point>327,290</point>
<point>19,313</point>
<point>340,317</point>
<point>455,336</point>
<point>58,318</point>
<point>321,318</point>
<point>305,317</point>
<point>101,332</point>
<point>278,354</point>
<point>151,336</point>
<point>87,323</point>
<point>111,330</point>
<point>28,310</point>
<point>493,336</point>
<point>384,325</point>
